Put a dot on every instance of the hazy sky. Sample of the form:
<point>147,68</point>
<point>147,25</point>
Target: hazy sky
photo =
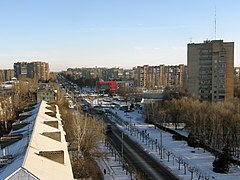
<point>108,33</point>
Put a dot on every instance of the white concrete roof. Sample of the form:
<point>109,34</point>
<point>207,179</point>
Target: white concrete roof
<point>26,151</point>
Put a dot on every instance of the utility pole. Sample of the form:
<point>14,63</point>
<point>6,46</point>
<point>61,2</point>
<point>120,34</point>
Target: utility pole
<point>161,143</point>
<point>130,120</point>
<point>122,148</point>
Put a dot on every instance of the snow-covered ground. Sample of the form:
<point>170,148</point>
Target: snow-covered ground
<point>112,165</point>
<point>184,161</point>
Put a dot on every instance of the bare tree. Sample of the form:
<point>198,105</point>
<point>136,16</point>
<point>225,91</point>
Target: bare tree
<point>24,94</point>
<point>84,133</point>
<point>7,114</point>
<point>174,111</point>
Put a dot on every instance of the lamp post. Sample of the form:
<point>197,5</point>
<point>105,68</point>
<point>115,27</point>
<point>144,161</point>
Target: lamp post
<point>130,124</point>
<point>162,114</point>
<point>122,148</point>
<point>161,143</point>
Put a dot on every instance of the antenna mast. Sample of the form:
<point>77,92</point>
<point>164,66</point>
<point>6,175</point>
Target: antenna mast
<point>215,24</point>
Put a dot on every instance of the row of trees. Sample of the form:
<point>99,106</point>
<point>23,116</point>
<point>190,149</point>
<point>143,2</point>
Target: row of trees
<point>212,124</point>
<point>83,133</point>
<point>23,94</point>
<point>81,82</point>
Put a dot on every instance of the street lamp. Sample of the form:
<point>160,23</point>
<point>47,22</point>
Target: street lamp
<point>122,148</point>
<point>161,142</point>
<point>130,121</point>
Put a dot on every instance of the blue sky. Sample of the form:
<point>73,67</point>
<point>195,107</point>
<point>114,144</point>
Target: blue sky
<point>111,33</point>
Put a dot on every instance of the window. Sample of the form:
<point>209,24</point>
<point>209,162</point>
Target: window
<point>221,97</point>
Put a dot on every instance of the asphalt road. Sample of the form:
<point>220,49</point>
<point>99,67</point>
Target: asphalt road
<point>137,157</point>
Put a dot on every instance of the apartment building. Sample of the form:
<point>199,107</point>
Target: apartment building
<point>150,77</point>
<point>46,92</point>
<point>6,74</point>
<point>138,76</point>
<point>155,77</point>
<point>38,70</point>
<point>20,69</point>
<point>174,75</point>
<point>105,74</point>
<point>210,70</point>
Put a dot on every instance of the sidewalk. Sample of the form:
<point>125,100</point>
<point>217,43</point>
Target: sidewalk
<point>111,166</point>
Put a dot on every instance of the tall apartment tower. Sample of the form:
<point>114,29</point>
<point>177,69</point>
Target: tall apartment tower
<point>210,70</point>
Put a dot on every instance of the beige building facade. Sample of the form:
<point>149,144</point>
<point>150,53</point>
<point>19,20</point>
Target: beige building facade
<point>155,77</point>
<point>6,74</point>
<point>45,92</point>
<point>211,70</point>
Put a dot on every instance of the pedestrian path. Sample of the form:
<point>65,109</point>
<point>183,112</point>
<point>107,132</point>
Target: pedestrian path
<point>111,165</point>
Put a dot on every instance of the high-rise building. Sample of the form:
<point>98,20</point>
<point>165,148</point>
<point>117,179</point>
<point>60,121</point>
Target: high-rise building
<point>155,77</point>
<point>38,70</point>
<point>20,69</point>
<point>174,75</point>
<point>139,76</point>
<point>6,74</point>
<point>210,70</point>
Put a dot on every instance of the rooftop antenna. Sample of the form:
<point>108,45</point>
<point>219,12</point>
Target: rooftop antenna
<point>215,24</point>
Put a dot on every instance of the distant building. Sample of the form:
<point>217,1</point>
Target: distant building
<point>104,74</point>
<point>210,70</point>
<point>38,70</point>
<point>46,92</point>
<point>149,77</point>
<point>152,97</point>
<point>110,74</point>
<point>158,77</point>
<point>125,84</point>
<point>20,69</point>
<point>8,85</point>
<point>107,86</point>
<point>114,86</point>
<point>174,75</point>
<point>6,74</point>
